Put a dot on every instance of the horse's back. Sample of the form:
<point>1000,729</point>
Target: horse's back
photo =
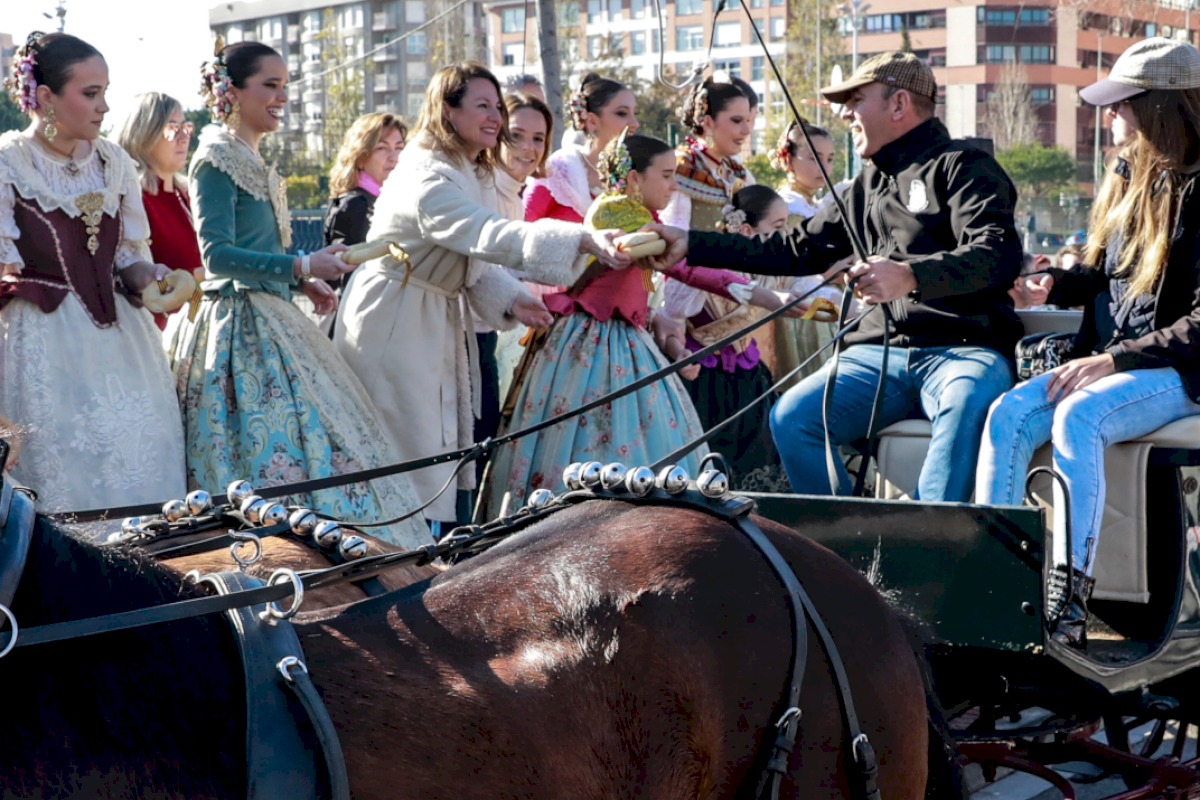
<point>615,649</point>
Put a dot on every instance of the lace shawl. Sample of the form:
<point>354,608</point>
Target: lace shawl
<point>41,177</point>
<point>248,171</point>
<point>567,179</point>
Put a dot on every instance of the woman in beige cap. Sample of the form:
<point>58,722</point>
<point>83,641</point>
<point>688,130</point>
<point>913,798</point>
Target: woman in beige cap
<point>1135,365</point>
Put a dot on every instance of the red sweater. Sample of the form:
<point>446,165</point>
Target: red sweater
<point>172,237</point>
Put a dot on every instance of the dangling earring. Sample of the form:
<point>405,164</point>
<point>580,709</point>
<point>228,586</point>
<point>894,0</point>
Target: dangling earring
<point>635,194</point>
<point>51,130</point>
<point>708,140</point>
<point>234,118</point>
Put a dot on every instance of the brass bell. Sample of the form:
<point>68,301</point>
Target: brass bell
<point>589,476</point>
<point>540,498</point>
<point>327,534</point>
<point>612,477</point>
<point>273,514</point>
<point>303,521</point>
<point>252,507</point>
<point>673,479</point>
<point>640,481</point>
<point>571,476</point>
<point>238,491</point>
<point>174,510</point>
<point>353,546</point>
<point>713,483</point>
<point>198,502</point>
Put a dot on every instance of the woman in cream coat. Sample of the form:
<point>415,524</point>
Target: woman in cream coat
<point>402,325</point>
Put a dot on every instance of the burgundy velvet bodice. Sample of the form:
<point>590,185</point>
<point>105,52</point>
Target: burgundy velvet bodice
<point>54,247</point>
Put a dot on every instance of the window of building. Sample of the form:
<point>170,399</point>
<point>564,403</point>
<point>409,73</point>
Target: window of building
<point>1151,29</point>
<point>999,53</point>
<point>654,40</point>
<point>996,16</point>
<point>682,69</point>
<point>729,34</point>
<point>593,8</point>
<point>594,46</point>
<point>757,3</point>
<point>637,43</point>
<point>757,66</point>
<point>417,44</point>
<point>414,11</point>
<point>615,45</point>
<point>513,53</point>
<point>685,7</point>
<point>883,23</point>
<point>1035,16</point>
<point>234,34</point>
<point>761,25</point>
<point>778,27</point>
<point>311,23</point>
<point>418,72</point>
<point>637,9</point>
<point>350,17</point>
<point>1036,54</point>
<point>569,15</point>
<point>689,37</point>
<point>414,105</point>
<point>512,19</point>
<point>614,10</point>
<point>732,67</point>
<point>777,2</point>
<point>1041,95</point>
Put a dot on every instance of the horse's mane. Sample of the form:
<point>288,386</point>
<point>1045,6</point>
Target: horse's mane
<point>154,711</point>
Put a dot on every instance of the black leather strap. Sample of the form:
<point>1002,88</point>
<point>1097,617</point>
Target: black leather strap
<point>16,531</point>
<point>279,701</point>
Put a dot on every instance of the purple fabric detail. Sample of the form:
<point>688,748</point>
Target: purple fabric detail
<point>728,358</point>
<point>365,181</point>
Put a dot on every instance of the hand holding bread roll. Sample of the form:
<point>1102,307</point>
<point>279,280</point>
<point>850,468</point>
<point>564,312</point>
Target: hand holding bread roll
<point>641,244</point>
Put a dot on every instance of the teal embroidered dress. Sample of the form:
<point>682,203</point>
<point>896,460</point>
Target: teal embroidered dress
<point>265,396</point>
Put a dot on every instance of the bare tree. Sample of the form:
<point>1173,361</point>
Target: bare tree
<point>1011,118</point>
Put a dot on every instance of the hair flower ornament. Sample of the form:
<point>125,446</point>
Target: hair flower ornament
<point>215,85</point>
<point>734,218</point>
<point>22,85</point>
<point>577,107</point>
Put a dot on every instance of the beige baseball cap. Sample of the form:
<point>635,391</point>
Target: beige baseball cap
<point>901,70</point>
<point>1155,63</point>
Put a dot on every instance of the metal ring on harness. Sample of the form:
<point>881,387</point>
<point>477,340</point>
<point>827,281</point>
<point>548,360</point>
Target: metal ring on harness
<point>12,639</point>
<point>244,538</point>
<point>286,664</point>
<point>855,742</point>
<point>272,614</point>
<point>788,716</point>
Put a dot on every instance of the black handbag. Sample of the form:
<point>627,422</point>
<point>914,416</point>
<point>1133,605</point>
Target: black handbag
<point>1042,352</point>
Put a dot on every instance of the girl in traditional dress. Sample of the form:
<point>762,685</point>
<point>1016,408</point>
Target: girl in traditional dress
<point>402,326</point>
<point>157,137</point>
<point>601,108</point>
<point>265,396</point>
<point>82,371</point>
<point>599,344</point>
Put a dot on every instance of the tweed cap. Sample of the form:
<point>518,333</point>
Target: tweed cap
<point>1155,63</point>
<point>901,70</point>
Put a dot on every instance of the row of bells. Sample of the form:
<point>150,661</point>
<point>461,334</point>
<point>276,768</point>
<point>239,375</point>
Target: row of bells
<point>638,481</point>
<point>256,510</point>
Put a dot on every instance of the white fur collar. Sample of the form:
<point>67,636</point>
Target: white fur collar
<point>567,179</point>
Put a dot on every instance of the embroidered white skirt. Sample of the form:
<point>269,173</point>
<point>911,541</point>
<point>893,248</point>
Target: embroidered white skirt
<point>98,406</point>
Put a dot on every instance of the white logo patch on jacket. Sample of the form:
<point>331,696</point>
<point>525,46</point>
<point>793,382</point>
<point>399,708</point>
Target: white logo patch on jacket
<point>918,199</point>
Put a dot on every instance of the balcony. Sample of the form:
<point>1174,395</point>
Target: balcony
<point>293,33</point>
<point>385,56</point>
<point>386,84</point>
<point>293,64</point>
<point>383,21</point>
<point>308,37</point>
<point>312,96</point>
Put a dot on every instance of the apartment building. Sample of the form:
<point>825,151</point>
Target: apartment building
<point>592,31</point>
<point>313,35</point>
<point>1061,46</point>
<point>7,49</point>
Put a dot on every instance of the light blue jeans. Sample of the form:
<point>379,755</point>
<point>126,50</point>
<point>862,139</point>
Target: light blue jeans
<point>1123,406</point>
<point>951,386</point>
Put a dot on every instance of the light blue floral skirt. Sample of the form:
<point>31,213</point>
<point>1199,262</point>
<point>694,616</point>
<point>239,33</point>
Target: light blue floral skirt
<point>267,399</point>
<point>582,359</point>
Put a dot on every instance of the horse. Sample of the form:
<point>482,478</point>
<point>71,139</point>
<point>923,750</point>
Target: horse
<point>607,650</point>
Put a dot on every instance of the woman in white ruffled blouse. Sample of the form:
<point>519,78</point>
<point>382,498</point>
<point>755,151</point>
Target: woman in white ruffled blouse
<point>82,371</point>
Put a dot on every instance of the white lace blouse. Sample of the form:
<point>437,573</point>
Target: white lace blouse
<point>43,177</point>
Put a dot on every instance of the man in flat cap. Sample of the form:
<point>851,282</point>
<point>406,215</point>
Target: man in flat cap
<point>936,219</point>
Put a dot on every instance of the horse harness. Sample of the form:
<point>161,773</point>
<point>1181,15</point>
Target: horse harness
<point>281,755</point>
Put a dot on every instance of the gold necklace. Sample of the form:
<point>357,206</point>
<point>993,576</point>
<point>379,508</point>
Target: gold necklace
<point>71,167</point>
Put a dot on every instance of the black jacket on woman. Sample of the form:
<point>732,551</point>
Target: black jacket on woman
<point>1174,338</point>
<point>349,217</point>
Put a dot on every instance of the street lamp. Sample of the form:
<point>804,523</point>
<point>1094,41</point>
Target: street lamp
<point>1098,162</point>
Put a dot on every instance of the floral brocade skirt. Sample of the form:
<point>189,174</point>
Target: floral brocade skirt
<point>267,399</point>
<point>582,359</point>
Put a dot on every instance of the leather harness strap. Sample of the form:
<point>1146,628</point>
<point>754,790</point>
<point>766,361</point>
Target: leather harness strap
<point>16,532</point>
<point>280,698</point>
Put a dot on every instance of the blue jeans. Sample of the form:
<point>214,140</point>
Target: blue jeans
<point>1115,409</point>
<point>950,386</point>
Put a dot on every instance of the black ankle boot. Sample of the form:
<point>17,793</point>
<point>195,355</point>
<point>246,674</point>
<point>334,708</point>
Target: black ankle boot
<point>1068,622</point>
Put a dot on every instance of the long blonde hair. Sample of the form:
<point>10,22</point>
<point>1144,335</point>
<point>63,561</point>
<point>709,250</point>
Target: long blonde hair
<point>142,130</point>
<point>1145,206</point>
<point>448,86</point>
<point>358,145</point>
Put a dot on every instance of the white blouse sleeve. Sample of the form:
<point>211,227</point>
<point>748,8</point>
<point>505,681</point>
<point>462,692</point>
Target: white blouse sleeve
<point>680,301</point>
<point>678,213</point>
<point>135,241</point>
<point>10,258</point>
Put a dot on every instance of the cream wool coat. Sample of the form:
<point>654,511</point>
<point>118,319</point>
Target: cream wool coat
<point>408,344</point>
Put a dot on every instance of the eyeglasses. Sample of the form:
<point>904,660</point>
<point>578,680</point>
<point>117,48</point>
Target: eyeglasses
<point>174,129</point>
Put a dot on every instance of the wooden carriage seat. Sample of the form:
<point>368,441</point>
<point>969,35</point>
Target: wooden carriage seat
<point>1121,566</point>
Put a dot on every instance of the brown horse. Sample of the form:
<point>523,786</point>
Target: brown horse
<point>607,651</point>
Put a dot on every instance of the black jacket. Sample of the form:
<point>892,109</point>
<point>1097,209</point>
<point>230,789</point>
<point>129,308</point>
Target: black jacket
<point>1175,340</point>
<point>349,217</point>
<point>939,205</point>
